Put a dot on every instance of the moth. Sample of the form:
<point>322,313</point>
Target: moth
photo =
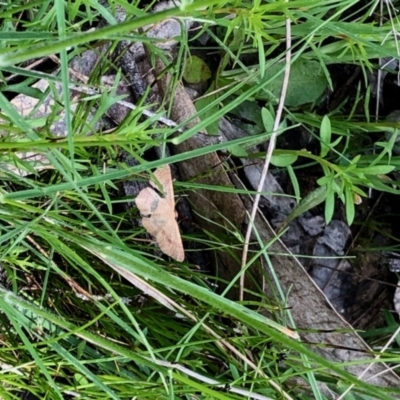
<point>158,214</point>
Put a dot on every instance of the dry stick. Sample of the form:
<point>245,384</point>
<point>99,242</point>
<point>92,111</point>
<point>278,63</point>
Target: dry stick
<point>271,147</point>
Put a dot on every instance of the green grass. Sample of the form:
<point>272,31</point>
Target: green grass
<point>64,231</point>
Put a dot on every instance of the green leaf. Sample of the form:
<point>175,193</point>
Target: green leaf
<point>339,190</point>
<point>80,379</point>
<point>249,117</point>
<point>196,70</point>
<point>212,129</point>
<point>283,160</point>
<point>303,74</point>
<point>295,182</point>
<point>234,371</point>
<point>376,170</point>
<point>336,142</point>
<point>325,133</point>
<point>329,204</point>
<point>237,151</point>
<point>268,119</point>
<point>378,184</point>
<point>312,200</point>
<point>324,180</point>
<point>350,209</point>
<point>80,349</point>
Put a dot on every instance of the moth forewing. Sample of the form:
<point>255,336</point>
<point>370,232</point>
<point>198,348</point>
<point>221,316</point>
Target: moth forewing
<point>158,214</point>
<point>164,178</point>
<point>147,201</point>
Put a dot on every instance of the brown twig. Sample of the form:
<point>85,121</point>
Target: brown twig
<point>271,147</point>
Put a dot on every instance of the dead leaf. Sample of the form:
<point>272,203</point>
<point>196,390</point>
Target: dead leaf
<point>158,214</point>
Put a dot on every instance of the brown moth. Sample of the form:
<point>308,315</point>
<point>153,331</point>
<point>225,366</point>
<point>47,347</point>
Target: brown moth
<point>158,214</point>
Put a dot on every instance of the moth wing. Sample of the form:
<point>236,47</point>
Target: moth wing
<point>164,177</point>
<point>158,214</point>
<point>147,201</point>
<point>153,209</point>
<point>170,241</point>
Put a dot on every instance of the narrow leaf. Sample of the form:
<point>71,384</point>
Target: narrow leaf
<point>325,133</point>
<point>283,160</point>
<point>295,182</point>
<point>329,204</point>
<point>268,119</point>
<point>350,208</point>
<point>376,170</point>
<point>312,200</point>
